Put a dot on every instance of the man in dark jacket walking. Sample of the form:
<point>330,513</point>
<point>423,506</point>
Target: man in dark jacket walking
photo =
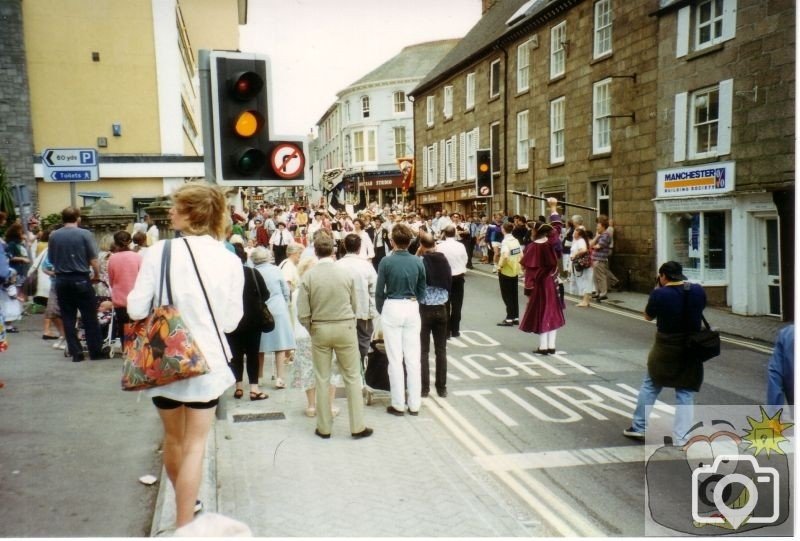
<point>677,306</point>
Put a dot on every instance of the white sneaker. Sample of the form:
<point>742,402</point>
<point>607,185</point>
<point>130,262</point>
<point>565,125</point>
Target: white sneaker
<point>59,344</point>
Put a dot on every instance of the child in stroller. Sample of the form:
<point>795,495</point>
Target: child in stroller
<point>105,318</point>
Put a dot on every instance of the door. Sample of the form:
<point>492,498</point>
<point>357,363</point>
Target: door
<point>770,289</point>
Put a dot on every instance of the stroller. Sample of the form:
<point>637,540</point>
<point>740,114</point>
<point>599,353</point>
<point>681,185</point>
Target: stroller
<point>105,319</point>
<point>376,373</point>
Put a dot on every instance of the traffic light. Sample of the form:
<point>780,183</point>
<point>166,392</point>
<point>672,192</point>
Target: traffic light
<point>245,151</point>
<point>483,180</point>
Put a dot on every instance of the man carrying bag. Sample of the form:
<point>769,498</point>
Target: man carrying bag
<point>678,312</point>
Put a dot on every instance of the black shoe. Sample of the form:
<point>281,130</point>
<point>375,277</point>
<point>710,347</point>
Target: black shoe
<point>366,433</point>
<point>455,334</point>
<point>442,393</point>
<point>97,356</point>
<point>393,411</point>
<point>551,351</point>
<point>541,352</point>
<point>321,435</point>
<point>515,321</point>
<point>414,413</point>
<point>77,358</point>
<point>506,323</point>
<point>602,298</point>
<point>425,394</point>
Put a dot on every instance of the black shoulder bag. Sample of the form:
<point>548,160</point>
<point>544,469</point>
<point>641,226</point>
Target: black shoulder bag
<point>266,322</point>
<point>705,343</point>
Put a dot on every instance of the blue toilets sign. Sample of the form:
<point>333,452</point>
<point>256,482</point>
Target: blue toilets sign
<point>70,165</point>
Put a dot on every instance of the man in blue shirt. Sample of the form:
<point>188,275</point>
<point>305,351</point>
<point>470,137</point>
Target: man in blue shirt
<point>780,371</point>
<point>677,309</point>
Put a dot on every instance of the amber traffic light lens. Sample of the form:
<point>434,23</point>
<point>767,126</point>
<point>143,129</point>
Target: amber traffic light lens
<point>248,123</point>
<point>484,167</point>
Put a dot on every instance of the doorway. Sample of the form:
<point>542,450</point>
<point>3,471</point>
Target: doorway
<point>769,290</point>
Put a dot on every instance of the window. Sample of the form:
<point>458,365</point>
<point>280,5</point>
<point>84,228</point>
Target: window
<point>399,102</point>
<point>522,140</point>
<point>429,106</point>
<point>471,153</point>
<point>557,131</point>
<point>448,101</point>
<point>400,142</point>
<point>450,166</point>
<point>704,24</point>
<point>601,117</point>
<point>703,122</point>
<point>558,55</point>
<point>602,196</point>
<point>347,111</point>
<point>432,165</point>
<point>602,28</point>
<point>523,66</point>
<point>494,79</point>
<point>470,91</point>
<point>365,107</point>
<point>697,240</point>
<point>365,146</point>
<point>494,144</point>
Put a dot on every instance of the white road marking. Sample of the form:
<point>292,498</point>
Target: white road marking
<point>555,512</point>
<point>567,458</point>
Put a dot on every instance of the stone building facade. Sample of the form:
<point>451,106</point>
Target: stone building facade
<point>16,136</point>
<point>624,108</point>
<point>725,149</point>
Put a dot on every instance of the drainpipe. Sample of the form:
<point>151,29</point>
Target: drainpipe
<point>505,129</point>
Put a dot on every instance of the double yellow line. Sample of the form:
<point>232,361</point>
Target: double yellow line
<point>553,511</point>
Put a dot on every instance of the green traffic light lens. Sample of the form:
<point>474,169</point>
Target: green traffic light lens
<point>249,161</point>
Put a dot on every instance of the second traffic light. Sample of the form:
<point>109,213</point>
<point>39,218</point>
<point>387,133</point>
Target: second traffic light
<point>244,150</point>
<point>483,178</point>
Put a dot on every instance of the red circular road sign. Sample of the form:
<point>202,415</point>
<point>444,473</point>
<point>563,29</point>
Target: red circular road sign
<point>288,160</point>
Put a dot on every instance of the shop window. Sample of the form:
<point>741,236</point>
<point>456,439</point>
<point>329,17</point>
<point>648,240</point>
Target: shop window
<point>698,241</point>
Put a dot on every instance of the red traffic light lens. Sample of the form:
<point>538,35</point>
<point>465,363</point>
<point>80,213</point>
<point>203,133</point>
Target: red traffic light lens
<point>249,161</point>
<point>246,85</point>
<point>248,123</point>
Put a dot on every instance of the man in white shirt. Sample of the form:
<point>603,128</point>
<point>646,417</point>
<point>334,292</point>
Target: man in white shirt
<point>508,271</point>
<point>152,230</point>
<point>456,256</point>
<point>364,279</point>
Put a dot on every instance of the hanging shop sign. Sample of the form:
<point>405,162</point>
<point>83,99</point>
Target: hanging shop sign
<point>705,179</point>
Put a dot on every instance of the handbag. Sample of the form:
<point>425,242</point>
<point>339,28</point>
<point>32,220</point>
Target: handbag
<point>583,261</point>
<point>266,322</point>
<point>31,282</point>
<point>160,349</point>
<point>705,343</point>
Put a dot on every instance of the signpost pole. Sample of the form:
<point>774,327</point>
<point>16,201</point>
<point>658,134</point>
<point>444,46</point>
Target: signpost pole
<point>72,195</point>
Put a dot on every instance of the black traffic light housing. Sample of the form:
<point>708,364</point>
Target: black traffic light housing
<point>483,178</point>
<point>245,150</point>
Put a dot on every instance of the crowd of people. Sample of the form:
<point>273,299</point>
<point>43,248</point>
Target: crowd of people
<point>334,283</point>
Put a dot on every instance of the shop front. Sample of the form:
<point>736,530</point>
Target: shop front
<point>726,241</point>
<point>385,188</point>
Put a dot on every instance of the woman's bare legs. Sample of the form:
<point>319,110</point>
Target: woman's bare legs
<point>185,434</point>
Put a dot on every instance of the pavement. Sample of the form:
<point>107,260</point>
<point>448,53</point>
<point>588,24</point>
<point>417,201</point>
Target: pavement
<point>265,467</point>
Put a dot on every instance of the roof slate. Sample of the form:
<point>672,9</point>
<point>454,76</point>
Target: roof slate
<point>486,32</point>
<point>414,61</point>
